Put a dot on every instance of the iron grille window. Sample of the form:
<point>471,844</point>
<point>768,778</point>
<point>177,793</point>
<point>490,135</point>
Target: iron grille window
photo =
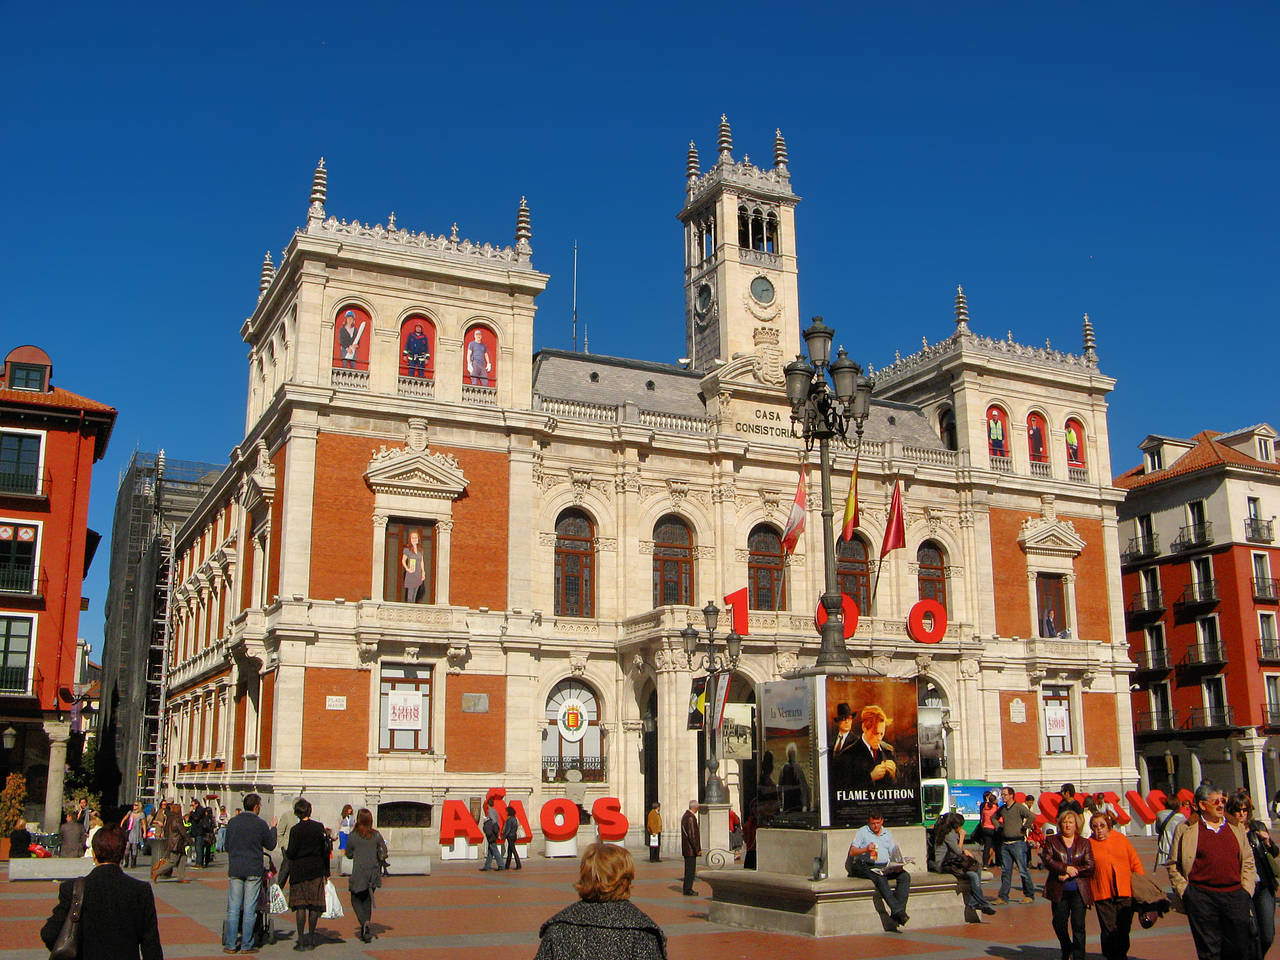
<point>853,572</point>
<point>933,574</point>
<point>766,568</point>
<point>672,562</point>
<point>575,565</point>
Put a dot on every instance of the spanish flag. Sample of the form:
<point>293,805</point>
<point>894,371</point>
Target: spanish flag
<point>851,520</point>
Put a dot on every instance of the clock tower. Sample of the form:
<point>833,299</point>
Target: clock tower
<point>740,259</point>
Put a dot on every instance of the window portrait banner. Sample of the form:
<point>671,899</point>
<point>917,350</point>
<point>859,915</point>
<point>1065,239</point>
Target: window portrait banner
<point>869,747</point>
<point>404,710</point>
<point>787,751</point>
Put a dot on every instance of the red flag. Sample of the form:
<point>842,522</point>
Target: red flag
<point>795,520</point>
<point>895,535</point>
<point>851,518</point>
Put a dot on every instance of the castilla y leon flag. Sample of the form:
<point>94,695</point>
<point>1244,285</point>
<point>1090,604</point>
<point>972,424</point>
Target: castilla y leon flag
<point>895,535</point>
<point>851,519</point>
<point>795,520</point>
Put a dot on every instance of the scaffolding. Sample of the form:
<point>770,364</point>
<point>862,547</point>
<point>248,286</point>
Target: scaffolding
<point>154,498</point>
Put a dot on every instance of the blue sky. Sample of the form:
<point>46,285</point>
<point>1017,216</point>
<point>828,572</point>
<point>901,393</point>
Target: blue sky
<point>1054,158</point>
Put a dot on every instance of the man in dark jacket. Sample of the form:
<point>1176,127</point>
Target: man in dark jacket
<point>71,837</point>
<point>510,832</point>
<point>690,845</point>
<point>176,838</point>
<point>248,836</point>
<point>199,839</point>
<point>118,918</point>
<point>492,838</point>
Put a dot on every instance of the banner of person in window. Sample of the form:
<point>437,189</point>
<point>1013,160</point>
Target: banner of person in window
<point>870,743</point>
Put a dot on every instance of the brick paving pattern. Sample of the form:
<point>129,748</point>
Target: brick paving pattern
<point>459,914</point>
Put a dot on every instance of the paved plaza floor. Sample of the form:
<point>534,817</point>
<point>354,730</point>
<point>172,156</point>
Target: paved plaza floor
<point>459,913</point>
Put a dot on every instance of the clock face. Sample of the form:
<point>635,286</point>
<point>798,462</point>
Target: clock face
<point>762,290</point>
<point>703,298</point>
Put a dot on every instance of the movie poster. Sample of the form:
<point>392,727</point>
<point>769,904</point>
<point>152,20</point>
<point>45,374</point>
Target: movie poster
<point>871,747</point>
<point>787,749</point>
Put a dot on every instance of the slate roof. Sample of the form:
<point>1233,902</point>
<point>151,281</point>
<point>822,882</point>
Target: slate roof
<point>1206,453</point>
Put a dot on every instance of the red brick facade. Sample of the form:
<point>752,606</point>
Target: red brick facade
<point>476,740</point>
<point>331,739</point>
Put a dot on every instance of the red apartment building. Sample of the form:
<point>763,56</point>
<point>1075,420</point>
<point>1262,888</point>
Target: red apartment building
<point>50,439</point>
<point>1197,530</point>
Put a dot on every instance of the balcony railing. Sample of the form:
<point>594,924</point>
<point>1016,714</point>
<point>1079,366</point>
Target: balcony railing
<point>416,387</point>
<point>1156,721</point>
<point>1001,464</point>
<point>486,396</point>
<point>1041,469</point>
<point>1140,548</point>
<point>1258,530</point>
<point>556,769</point>
<point>1265,588</point>
<point>19,578</point>
<point>1205,718</point>
<point>1146,601</point>
<point>1201,592</point>
<point>1192,536</point>
<point>1155,661</point>
<point>24,483</point>
<point>348,378</point>
<point>1206,654</point>
<point>1271,714</point>
<point>13,679</point>
<point>1078,474</point>
<point>1269,649</point>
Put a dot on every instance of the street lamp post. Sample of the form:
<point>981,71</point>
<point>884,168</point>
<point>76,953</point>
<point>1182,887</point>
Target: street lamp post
<point>823,413</point>
<point>714,662</point>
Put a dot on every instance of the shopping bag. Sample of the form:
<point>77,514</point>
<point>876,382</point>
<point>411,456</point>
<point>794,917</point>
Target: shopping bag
<point>278,902</point>
<point>332,905</point>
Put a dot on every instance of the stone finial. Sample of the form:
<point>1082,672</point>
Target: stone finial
<point>779,150</point>
<point>524,228</point>
<point>319,191</point>
<point>268,274</point>
<point>391,221</point>
<point>1090,341</point>
<point>691,170</point>
<point>725,140</point>
<point>453,232</point>
<point>962,311</point>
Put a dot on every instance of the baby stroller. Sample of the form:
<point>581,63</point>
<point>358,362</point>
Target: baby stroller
<point>264,932</point>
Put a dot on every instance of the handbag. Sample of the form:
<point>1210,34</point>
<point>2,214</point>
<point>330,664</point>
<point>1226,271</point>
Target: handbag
<point>67,946</point>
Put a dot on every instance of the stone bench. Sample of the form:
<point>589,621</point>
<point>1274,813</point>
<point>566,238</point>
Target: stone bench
<point>49,868</point>
<point>837,906</point>
<point>402,864</point>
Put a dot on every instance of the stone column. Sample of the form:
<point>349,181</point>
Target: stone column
<point>1197,772</point>
<point>1253,745</point>
<point>58,732</point>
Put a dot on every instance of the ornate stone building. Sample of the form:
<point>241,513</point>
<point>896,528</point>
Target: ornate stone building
<point>436,553</point>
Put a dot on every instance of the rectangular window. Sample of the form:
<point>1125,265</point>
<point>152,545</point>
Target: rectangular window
<point>1273,692</point>
<point>1157,652</point>
<point>1201,570</point>
<point>404,709</point>
<point>1261,566</point>
<point>1052,605</point>
<point>1057,719</point>
<point>1253,506</point>
<point>26,376</point>
<point>1161,704</point>
<point>409,569</point>
<point>18,557</point>
<point>1207,631</point>
<point>1155,461</point>
<point>1267,626</point>
<point>1264,449</point>
<point>15,653</point>
<point>1145,529</point>
<point>1195,513</point>
<point>1215,701</point>
<point>19,463</point>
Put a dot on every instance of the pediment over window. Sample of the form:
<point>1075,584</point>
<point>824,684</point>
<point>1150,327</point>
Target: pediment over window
<point>1049,536</point>
<point>415,473</point>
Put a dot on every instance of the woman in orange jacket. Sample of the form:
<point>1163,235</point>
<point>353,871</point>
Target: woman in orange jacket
<point>1115,863</point>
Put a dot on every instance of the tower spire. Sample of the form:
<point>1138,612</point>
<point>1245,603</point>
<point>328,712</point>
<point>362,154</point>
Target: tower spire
<point>691,170</point>
<point>725,140</point>
<point>319,192</point>
<point>962,312</point>
<point>268,274</point>
<point>524,229</point>
<point>1090,341</point>
<point>779,151</point>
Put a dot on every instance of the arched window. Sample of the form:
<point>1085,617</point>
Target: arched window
<point>575,565</point>
<point>853,573</point>
<point>672,562</point>
<point>744,228</point>
<point>947,428</point>
<point>757,230</point>
<point>997,433</point>
<point>1037,438</point>
<point>352,331</point>
<point>417,348</point>
<point>771,233</point>
<point>480,357</point>
<point>933,572</point>
<point>767,588</point>
<point>1075,443</point>
<point>571,738</point>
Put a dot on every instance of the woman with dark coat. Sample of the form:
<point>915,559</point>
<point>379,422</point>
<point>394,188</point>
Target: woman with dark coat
<point>1069,859</point>
<point>19,841</point>
<point>604,924</point>
<point>308,856</point>
<point>1239,810</point>
<point>367,851</point>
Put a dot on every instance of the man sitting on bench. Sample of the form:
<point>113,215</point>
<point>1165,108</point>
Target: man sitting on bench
<point>874,856</point>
